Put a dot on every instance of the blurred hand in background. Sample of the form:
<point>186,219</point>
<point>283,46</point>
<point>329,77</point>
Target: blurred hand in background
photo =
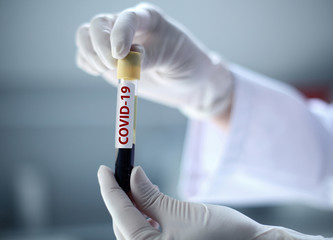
<point>177,70</point>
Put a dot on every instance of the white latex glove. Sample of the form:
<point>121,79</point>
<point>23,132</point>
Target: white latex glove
<point>177,70</point>
<point>178,219</point>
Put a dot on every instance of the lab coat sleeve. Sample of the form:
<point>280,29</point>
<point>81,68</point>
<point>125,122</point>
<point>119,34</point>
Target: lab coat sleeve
<point>278,149</point>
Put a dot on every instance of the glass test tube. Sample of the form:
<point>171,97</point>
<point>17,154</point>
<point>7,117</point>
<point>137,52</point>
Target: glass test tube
<point>128,74</point>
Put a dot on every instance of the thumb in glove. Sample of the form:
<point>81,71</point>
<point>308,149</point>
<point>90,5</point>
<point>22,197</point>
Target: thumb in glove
<point>185,220</point>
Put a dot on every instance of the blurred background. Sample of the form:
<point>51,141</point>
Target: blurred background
<point>57,123</point>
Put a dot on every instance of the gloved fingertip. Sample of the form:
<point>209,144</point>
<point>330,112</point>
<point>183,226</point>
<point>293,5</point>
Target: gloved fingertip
<point>139,177</point>
<point>103,171</point>
<point>106,179</point>
<point>114,52</point>
<point>119,51</point>
<point>137,171</point>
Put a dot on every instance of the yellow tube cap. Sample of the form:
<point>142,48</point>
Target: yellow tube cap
<point>129,67</point>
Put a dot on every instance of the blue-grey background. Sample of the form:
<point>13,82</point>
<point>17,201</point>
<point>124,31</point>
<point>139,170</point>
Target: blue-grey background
<point>57,123</point>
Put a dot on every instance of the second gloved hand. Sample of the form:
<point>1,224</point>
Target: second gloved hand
<point>177,69</point>
<point>178,219</point>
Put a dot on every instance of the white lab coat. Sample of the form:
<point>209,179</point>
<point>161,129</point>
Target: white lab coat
<point>279,149</point>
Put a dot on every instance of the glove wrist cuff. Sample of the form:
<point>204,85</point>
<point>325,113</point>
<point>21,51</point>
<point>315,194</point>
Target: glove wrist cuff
<point>272,232</point>
<point>213,96</point>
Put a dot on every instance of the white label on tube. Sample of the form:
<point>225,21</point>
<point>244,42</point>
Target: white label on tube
<point>125,115</point>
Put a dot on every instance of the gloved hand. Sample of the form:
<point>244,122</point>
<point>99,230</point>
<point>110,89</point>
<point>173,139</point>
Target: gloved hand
<point>177,70</point>
<point>178,220</point>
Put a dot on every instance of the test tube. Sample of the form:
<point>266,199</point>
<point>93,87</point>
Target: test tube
<point>128,74</point>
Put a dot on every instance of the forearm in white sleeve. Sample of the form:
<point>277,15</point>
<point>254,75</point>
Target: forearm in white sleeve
<point>278,148</point>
